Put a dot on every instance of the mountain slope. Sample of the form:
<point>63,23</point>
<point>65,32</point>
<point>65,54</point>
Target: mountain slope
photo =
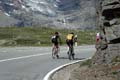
<point>57,13</point>
<point>6,20</point>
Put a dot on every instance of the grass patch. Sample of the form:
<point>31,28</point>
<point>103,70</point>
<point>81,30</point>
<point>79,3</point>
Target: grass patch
<point>86,63</point>
<point>116,59</point>
<point>29,36</point>
<point>114,73</point>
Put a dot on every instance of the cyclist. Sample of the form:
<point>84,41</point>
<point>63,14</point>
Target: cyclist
<point>70,43</point>
<point>97,37</point>
<point>75,40</point>
<point>56,40</point>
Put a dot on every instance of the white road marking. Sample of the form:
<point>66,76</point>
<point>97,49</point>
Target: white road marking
<point>23,57</point>
<point>61,67</point>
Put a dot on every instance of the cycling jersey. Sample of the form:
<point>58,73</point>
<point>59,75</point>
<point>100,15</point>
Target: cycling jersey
<point>69,37</point>
<point>55,39</point>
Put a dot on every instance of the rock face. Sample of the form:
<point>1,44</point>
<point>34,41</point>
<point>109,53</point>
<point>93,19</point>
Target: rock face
<point>108,47</point>
<point>57,13</point>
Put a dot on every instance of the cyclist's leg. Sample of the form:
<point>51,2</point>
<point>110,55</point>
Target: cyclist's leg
<point>53,50</point>
<point>68,44</point>
<point>69,51</point>
<point>72,44</point>
<point>57,51</point>
<point>72,50</point>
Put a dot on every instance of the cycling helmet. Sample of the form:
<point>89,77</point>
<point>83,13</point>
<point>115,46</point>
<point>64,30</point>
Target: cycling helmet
<point>56,33</point>
<point>71,33</point>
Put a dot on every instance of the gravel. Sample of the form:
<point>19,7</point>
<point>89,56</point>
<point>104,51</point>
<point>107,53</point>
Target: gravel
<point>76,72</point>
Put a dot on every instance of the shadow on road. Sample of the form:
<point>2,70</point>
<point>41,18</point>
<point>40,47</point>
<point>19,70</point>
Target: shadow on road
<point>68,58</point>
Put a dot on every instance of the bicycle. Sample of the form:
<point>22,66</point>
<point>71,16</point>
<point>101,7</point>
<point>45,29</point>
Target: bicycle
<point>55,51</point>
<point>71,53</point>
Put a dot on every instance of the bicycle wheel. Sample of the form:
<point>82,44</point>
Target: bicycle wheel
<point>55,53</point>
<point>70,53</point>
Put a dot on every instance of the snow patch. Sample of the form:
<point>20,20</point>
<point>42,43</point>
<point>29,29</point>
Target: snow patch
<point>6,14</point>
<point>43,3</point>
<point>20,1</point>
<point>23,7</point>
<point>11,4</point>
<point>58,1</point>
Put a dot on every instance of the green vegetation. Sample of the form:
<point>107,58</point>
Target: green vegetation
<point>28,36</point>
<point>116,59</point>
<point>86,63</point>
<point>115,73</point>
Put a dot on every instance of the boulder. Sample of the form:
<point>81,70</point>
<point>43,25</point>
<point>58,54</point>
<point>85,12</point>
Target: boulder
<point>108,48</point>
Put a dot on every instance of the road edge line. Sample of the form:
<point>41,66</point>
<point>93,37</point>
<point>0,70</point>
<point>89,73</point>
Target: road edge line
<point>22,57</point>
<point>47,76</point>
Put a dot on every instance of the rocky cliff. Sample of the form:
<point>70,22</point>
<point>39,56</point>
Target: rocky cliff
<point>108,47</point>
<point>57,13</point>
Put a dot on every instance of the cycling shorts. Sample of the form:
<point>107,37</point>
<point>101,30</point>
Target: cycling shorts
<point>69,42</point>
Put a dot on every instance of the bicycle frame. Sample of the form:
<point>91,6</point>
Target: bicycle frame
<point>55,51</point>
<point>70,53</point>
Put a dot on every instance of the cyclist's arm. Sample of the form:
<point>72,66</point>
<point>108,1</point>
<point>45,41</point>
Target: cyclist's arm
<point>73,39</point>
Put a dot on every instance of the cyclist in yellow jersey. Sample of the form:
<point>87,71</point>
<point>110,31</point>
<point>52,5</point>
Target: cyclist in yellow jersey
<point>70,41</point>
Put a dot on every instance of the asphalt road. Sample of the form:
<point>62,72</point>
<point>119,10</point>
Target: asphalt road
<point>33,63</point>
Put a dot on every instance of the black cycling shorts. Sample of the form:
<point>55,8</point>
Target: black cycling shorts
<point>69,42</point>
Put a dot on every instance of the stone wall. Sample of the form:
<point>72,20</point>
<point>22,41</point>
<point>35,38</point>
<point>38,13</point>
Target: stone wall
<point>108,19</point>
